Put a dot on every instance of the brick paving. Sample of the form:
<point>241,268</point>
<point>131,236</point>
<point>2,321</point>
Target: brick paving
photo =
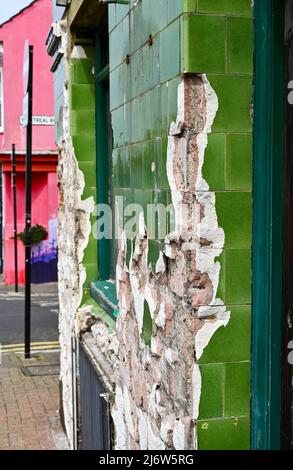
<point>29,405</point>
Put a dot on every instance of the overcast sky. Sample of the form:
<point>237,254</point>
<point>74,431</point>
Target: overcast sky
<point>9,8</point>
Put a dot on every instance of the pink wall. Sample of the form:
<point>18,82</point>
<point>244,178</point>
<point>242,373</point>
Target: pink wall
<point>44,197</point>
<point>32,24</point>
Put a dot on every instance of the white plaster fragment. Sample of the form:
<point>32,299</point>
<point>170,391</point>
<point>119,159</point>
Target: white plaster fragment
<point>160,264</point>
<point>179,435</point>
<point>204,335</point>
<point>161,318</point>
<point>142,429</point>
<point>78,52</point>
<point>150,300</point>
<point>196,385</point>
<point>138,299</point>
<point>118,418</point>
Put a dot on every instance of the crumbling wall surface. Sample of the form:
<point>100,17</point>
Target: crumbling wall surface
<point>73,233</point>
<point>157,379</point>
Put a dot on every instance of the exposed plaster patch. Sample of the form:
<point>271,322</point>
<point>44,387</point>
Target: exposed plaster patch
<point>78,52</point>
<point>179,434</point>
<point>181,293</point>
<point>74,229</point>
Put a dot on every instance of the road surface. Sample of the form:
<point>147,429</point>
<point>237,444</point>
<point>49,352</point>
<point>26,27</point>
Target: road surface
<point>44,318</point>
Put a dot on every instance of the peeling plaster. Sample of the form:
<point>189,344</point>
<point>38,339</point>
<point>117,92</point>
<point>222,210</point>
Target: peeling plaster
<point>181,293</point>
<point>74,229</point>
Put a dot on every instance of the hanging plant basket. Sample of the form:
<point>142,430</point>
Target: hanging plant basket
<point>38,234</point>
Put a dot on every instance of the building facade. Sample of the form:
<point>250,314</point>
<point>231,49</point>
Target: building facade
<point>159,317</point>
<point>30,24</point>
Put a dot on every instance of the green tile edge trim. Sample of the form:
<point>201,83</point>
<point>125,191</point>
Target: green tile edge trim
<point>104,294</point>
<point>98,312</point>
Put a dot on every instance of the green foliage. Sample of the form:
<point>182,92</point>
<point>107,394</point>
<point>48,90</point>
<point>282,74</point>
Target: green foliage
<point>38,233</point>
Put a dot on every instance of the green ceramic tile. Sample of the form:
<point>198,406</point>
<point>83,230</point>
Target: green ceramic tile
<point>189,6</point>
<point>120,174</point>
<point>155,64</point>
<point>149,159</point>
<point>164,124</point>
<point>84,71</point>
<point>82,97</point>
<point>163,179</point>
<point>172,100</point>
<point>234,211</point>
<point>118,125</point>
<point>89,52</point>
<point>126,165</point>
<point>224,434</point>
<point>234,95</point>
<point>143,198</point>
<point>117,87</point>
<point>159,16</point>
<point>90,192</point>
<point>153,253</point>
<point>237,389</point>
<point>136,169</point>
<point>204,44</point>
<point>91,271</point>
<point>91,251</point>
<point>156,112</point>
<point>84,147</point>
<point>116,48</point>
<point>175,9</point>
<point>146,7</point>
<point>239,162</point>
<point>115,168</point>
<point>221,286</point>
<point>239,45</point>
<point>237,7</point>
<point>237,277</point>
<point>158,216</point>
<point>136,38</point>
<point>147,325</point>
<point>214,162</point>
<point>89,171</point>
<point>230,343</point>
<point>83,122</point>
<point>170,51</point>
<point>212,391</point>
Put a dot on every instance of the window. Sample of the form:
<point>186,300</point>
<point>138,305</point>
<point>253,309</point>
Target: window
<point>104,144</point>
<point>1,91</point>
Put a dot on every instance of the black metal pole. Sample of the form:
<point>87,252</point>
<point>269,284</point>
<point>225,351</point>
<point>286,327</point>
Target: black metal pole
<point>28,190</point>
<point>1,223</point>
<point>13,174</point>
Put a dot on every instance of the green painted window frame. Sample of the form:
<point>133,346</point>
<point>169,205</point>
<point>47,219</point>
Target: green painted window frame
<point>102,138</point>
<point>268,188</point>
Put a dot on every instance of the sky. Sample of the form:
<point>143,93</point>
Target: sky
<point>9,8</point>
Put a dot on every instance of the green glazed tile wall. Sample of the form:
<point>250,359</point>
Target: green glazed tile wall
<point>195,36</point>
<point>217,41</point>
<point>144,78</point>
<point>82,125</point>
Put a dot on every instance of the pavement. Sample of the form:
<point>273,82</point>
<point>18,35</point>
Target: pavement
<point>29,390</point>
<point>29,403</point>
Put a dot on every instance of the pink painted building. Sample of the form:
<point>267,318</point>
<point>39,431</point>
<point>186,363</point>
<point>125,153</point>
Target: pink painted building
<point>32,23</point>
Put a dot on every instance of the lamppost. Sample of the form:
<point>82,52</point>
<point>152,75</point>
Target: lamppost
<point>13,184</point>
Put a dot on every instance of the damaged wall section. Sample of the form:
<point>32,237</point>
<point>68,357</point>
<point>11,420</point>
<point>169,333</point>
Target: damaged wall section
<point>176,385</point>
<point>76,205</point>
<point>158,387</point>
